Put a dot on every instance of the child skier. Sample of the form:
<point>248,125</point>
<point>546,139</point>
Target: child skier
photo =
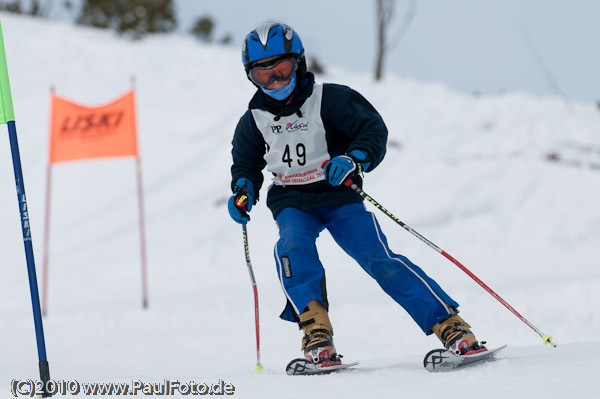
<point>293,127</point>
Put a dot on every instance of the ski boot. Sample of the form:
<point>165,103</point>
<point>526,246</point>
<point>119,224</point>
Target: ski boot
<point>456,336</point>
<point>317,342</point>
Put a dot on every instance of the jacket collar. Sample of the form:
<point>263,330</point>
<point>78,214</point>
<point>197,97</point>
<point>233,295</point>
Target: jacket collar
<point>286,107</point>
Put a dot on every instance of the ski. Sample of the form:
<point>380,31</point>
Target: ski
<point>439,360</point>
<point>303,366</point>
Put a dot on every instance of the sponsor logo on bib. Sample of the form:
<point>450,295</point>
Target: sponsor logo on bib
<point>295,126</point>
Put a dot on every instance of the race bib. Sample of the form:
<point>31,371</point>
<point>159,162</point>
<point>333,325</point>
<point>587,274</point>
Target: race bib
<point>297,146</point>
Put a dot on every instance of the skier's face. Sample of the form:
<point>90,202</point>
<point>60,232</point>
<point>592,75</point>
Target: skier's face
<point>274,72</point>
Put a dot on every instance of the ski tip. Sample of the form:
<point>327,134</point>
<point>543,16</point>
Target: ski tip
<point>440,360</point>
<point>259,367</point>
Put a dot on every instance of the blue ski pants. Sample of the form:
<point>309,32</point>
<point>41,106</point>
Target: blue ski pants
<point>358,233</point>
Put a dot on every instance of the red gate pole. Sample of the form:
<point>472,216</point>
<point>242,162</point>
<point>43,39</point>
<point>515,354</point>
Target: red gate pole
<point>142,221</point>
<point>47,216</point>
<point>140,192</point>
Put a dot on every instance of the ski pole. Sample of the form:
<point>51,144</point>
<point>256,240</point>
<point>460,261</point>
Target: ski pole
<point>349,183</point>
<point>7,116</point>
<point>258,367</point>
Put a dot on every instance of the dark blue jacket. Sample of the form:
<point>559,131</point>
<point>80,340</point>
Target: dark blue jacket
<point>350,123</point>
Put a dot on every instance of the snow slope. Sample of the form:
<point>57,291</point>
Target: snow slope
<point>467,172</point>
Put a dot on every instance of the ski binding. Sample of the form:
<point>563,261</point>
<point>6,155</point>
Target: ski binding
<point>439,360</point>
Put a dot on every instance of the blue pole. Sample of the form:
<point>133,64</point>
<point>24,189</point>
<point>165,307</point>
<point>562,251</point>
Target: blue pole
<point>33,287</point>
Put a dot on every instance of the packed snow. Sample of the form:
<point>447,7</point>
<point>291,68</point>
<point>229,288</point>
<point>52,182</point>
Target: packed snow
<point>468,172</point>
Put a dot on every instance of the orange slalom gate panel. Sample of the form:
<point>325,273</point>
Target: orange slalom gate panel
<point>79,132</point>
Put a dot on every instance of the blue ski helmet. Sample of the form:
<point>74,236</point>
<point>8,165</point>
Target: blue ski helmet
<point>271,39</point>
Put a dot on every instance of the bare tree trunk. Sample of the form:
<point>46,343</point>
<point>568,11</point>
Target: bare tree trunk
<point>384,11</point>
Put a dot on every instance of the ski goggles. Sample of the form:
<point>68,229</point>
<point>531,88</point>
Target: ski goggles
<point>277,69</point>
